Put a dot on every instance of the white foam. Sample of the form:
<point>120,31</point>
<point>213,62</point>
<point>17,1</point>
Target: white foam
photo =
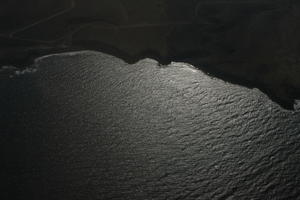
<point>184,66</point>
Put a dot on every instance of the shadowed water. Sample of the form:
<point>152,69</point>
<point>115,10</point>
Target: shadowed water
<point>90,126</point>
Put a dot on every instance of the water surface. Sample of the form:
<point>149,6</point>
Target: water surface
<point>90,126</point>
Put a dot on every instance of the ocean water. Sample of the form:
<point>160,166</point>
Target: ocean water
<point>87,125</point>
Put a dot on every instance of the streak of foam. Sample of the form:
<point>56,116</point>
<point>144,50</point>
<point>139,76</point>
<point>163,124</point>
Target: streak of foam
<point>12,71</point>
<point>66,54</point>
<point>28,70</point>
<point>297,105</point>
<point>184,66</point>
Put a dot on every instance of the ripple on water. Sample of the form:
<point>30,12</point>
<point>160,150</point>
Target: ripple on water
<point>88,125</point>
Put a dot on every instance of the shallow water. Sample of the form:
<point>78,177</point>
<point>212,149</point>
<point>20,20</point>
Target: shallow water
<point>89,126</point>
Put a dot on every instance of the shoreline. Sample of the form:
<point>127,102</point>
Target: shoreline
<point>286,101</point>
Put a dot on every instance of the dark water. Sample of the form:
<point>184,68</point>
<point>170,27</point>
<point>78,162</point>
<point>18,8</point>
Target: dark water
<point>90,126</point>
